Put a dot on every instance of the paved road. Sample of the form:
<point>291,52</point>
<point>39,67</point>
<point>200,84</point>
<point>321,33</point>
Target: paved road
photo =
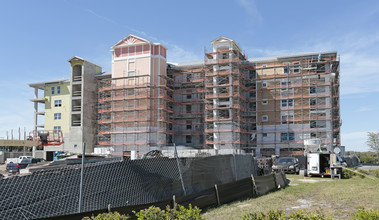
<point>369,167</point>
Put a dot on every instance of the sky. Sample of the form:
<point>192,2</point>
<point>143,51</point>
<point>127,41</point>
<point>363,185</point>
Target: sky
<point>38,37</point>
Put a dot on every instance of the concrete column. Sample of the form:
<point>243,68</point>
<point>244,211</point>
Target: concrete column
<point>35,110</point>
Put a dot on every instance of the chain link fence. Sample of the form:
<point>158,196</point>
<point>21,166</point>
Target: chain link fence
<point>54,190</point>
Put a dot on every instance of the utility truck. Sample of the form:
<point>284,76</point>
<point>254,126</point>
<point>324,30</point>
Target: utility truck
<point>322,162</point>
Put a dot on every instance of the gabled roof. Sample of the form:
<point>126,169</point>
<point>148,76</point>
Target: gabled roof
<point>131,39</point>
<point>76,58</point>
<point>221,39</point>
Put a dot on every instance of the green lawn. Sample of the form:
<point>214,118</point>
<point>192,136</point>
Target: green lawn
<point>337,198</point>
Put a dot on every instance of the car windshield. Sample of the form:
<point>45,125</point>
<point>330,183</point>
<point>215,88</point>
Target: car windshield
<point>284,161</point>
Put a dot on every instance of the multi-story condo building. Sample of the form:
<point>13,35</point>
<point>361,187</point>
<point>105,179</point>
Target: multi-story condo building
<point>266,105</point>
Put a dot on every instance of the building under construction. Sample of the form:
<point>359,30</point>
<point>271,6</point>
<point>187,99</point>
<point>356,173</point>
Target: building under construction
<point>267,105</point>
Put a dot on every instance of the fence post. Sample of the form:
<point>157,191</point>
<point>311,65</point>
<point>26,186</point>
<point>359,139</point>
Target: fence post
<point>254,185</point>
<point>217,195</point>
<point>235,166</point>
<point>173,202</point>
<point>81,180</point>
<point>180,171</point>
<point>274,176</point>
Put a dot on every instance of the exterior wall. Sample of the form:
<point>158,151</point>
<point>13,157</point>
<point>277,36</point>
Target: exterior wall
<point>50,108</point>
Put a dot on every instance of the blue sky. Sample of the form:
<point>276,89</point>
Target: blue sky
<point>38,37</point>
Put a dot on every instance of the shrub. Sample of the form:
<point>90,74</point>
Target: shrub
<point>108,216</point>
<point>179,212</point>
<point>347,174</point>
<point>363,214</point>
<point>363,171</point>
<point>375,173</point>
<point>152,213</point>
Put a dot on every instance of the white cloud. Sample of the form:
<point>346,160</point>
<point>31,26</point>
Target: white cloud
<point>175,52</point>
<point>359,64</point>
<point>355,141</point>
<point>359,59</point>
<point>364,109</point>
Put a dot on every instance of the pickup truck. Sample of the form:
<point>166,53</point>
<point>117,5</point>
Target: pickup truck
<point>18,160</point>
<point>16,167</point>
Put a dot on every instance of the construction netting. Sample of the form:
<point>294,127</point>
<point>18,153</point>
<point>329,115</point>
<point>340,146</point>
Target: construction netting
<point>54,190</point>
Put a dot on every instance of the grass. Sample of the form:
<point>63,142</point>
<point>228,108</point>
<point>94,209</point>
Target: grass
<point>337,198</point>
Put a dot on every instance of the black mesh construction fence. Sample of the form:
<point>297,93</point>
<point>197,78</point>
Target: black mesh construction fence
<point>55,191</point>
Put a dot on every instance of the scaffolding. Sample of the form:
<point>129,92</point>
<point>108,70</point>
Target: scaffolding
<point>134,114</point>
<point>297,99</point>
<point>224,102</point>
<point>227,99</point>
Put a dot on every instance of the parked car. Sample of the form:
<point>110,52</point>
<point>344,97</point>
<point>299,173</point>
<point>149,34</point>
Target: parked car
<point>287,164</point>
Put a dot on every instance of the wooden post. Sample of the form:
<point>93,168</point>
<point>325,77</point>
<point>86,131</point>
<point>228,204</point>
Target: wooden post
<point>173,202</point>
<point>217,196</point>
<point>254,185</point>
<point>276,184</point>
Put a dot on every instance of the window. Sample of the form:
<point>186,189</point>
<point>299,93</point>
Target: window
<point>290,102</point>
<point>296,67</point>
<point>313,135</point>
<point>188,108</point>
<point>58,103</point>
<point>58,89</point>
<point>252,73</point>
<point>284,136</point>
<point>291,136</point>
<point>313,124</point>
<point>57,116</point>
<point>287,136</point>
<point>53,90</point>
<point>264,135</point>
<point>285,83</point>
<point>284,103</point>
<point>312,102</point>
<point>189,96</point>
<point>287,119</point>
<point>189,124</point>
<point>312,90</point>
<point>264,85</point>
<point>264,102</point>
<point>188,139</point>
<point>264,118</point>
<point>286,70</point>
<point>57,129</point>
